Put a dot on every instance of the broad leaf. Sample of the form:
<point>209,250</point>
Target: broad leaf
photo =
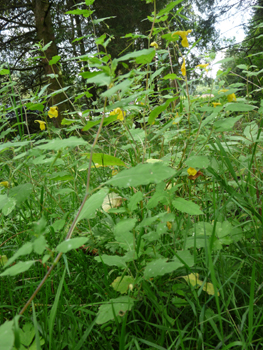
<point>121,284</point>
<point>142,174</point>
<point>186,206</point>
<point>20,267</point>
<point>115,307</point>
<point>198,162</point>
<point>73,243</point>
<point>92,204</point>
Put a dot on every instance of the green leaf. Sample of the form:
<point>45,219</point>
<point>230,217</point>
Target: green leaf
<point>35,106</point>
<point>69,244</point>
<point>170,76</point>
<point>122,87</point>
<point>186,206</point>
<point>142,56</point>
<point>198,162</point>
<point>66,121</point>
<point>112,260</point>
<point>100,79</point>
<point>105,159</point>
<point>3,260</point>
<point>89,2</point>
<point>124,226</point>
<point>9,206</point>
<point>24,250</point>
<point>7,335</point>
<point>57,144</point>
<point>85,13</point>
<point>4,72</point>
<point>226,124</point>
<point>121,284</point>
<point>134,200</point>
<point>21,192</point>
<point>239,107</point>
<point>116,307</point>
<point>156,111</point>
<point>20,267</point>
<point>92,204</point>
<point>40,245</point>
<point>160,267</point>
<point>142,174</point>
<point>54,60</point>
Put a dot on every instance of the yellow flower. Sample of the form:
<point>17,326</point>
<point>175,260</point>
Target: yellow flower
<point>183,69</point>
<point>216,104</point>
<point>169,225</point>
<point>5,184</point>
<point>53,112</point>
<point>41,124</point>
<point>183,35</point>
<point>154,44</point>
<point>231,97</point>
<point>191,171</point>
<point>203,66</point>
<point>120,114</point>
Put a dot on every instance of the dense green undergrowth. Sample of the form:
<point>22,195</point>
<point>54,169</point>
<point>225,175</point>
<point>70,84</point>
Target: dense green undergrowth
<point>115,236</point>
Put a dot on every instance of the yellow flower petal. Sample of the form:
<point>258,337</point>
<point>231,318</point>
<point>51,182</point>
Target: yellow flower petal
<point>5,184</point>
<point>120,114</point>
<point>53,112</point>
<point>183,35</point>
<point>191,171</point>
<point>216,104</point>
<point>154,44</point>
<point>183,69</point>
<point>231,97</point>
<point>42,124</point>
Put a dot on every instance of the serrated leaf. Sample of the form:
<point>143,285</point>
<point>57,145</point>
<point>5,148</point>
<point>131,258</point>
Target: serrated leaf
<point>92,204</point>
<point>134,200</point>
<point>142,174</point>
<point>239,107</point>
<point>21,192</point>
<point>73,243</point>
<point>186,206</point>
<point>35,106</point>
<point>9,206</point>
<point>7,335</point>
<point>24,250</point>
<point>226,124</point>
<point>57,144</point>
<point>121,284</point>
<point>117,307</point>
<point>20,267</point>
<point>39,245</point>
<point>112,260</point>
<point>198,162</point>
<point>160,267</point>
<point>105,159</point>
<point>54,60</point>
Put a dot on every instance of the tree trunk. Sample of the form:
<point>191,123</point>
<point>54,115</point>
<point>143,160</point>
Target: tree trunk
<point>45,34</point>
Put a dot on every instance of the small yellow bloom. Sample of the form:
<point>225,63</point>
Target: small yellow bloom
<point>183,35</point>
<point>5,184</point>
<point>191,171</point>
<point>216,104</point>
<point>120,114</point>
<point>231,97</point>
<point>154,44</point>
<point>41,124</point>
<point>169,225</point>
<point>53,112</point>
<point>203,66</point>
<point>183,69</point>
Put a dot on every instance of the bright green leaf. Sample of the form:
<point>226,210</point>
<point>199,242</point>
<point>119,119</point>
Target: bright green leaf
<point>69,244</point>
<point>186,206</point>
